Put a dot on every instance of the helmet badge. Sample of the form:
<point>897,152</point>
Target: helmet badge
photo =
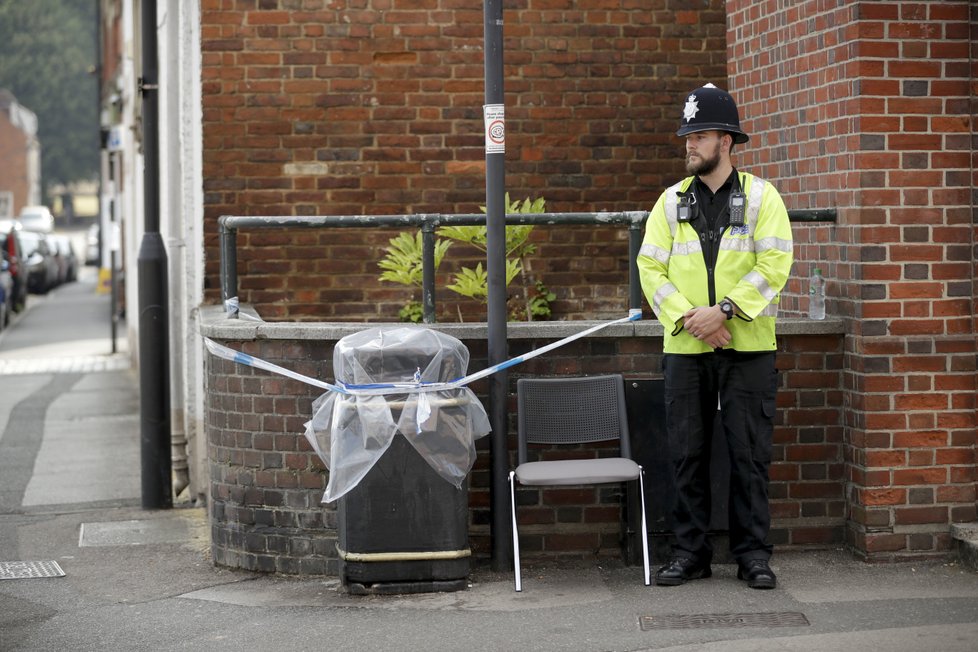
<point>691,108</point>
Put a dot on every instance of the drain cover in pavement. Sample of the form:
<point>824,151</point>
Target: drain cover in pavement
<point>712,621</point>
<point>23,570</point>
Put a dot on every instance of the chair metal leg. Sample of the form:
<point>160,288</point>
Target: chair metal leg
<point>516,538</point>
<point>645,529</point>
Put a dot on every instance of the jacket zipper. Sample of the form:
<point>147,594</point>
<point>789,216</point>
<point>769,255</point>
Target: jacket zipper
<point>709,243</point>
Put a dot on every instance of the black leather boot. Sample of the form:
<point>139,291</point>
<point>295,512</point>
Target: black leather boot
<point>680,570</point>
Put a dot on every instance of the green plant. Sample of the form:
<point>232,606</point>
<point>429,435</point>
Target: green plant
<point>539,304</point>
<point>403,264</point>
<point>412,312</point>
<point>517,236</point>
<point>474,283</point>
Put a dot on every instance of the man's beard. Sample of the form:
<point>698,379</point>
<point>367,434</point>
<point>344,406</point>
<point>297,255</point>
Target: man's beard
<point>704,165</point>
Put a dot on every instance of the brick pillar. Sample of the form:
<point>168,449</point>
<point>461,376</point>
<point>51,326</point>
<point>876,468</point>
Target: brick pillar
<point>868,107</point>
<point>14,144</point>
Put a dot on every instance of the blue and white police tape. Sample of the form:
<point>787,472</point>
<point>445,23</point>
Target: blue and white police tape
<point>233,309</point>
<point>375,389</point>
<point>228,353</point>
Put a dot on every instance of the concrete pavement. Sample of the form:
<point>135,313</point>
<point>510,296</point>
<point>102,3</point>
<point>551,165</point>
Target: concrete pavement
<point>143,580</point>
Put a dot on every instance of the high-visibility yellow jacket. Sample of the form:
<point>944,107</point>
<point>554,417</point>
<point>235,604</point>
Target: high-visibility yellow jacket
<point>752,266</point>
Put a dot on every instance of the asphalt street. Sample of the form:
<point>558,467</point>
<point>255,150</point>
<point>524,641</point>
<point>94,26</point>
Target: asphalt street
<point>143,580</point>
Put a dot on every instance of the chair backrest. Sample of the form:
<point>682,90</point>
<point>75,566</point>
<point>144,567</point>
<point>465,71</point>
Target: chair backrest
<point>571,411</point>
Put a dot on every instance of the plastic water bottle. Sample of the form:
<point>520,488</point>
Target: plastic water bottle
<point>816,295</point>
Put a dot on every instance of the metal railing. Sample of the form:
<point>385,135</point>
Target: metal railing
<point>228,226</point>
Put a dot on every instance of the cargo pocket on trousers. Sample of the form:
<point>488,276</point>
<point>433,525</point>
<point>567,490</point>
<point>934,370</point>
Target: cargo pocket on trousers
<point>762,428</point>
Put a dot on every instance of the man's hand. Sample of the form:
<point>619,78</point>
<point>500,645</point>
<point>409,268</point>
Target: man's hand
<point>707,325</point>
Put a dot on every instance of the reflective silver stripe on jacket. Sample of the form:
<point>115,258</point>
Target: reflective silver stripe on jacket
<point>765,244</point>
<point>743,245</point>
<point>656,253</point>
<point>686,248</point>
<point>746,245</point>
<point>771,310</point>
<point>662,294</point>
<point>754,205</point>
<point>761,285</point>
<point>672,207</point>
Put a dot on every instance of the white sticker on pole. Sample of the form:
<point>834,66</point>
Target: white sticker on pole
<point>115,237</point>
<point>495,128</point>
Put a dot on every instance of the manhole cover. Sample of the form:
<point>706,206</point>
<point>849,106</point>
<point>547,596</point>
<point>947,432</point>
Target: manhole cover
<point>22,570</point>
<point>712,621</point>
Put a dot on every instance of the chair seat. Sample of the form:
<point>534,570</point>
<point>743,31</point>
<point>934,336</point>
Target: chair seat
<point>594,471</point>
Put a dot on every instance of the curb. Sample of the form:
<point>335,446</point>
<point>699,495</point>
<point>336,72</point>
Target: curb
<point>965,536</point>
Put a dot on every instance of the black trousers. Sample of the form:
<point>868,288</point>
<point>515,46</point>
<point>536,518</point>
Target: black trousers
<point>745,384</point>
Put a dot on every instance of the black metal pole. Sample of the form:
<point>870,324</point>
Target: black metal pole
<point>154,371</point>
<point>496,270</point>
<point>228,242</point>
<point>428,272</point>
<point>634,285</point>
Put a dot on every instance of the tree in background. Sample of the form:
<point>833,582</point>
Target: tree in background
<point>47,49</point>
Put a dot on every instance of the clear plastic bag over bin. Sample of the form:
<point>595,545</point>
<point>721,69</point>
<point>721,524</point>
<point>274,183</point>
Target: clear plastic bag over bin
<point>351,432</point>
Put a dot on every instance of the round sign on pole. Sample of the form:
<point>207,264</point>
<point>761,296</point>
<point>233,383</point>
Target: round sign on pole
<point>494,115</point>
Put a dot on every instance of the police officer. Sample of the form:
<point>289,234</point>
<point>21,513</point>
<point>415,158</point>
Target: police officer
<point>716,253</point>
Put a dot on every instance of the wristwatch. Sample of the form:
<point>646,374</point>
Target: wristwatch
<point>727,308</point>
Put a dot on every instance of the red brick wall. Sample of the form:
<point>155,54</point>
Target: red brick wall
<point>375,107</point>
<point>868,107</point>
<point>13,163</point>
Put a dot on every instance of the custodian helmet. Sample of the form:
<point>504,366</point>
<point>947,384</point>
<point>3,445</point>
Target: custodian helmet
<point>710,108</point>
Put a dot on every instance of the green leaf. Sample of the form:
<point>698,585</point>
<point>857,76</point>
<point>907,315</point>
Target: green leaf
<point>403,261</point>
<point>538,206</point>
<point>473,235</point>
<point>412,312</point>
<point>472,283</point>
<point>513,268</point>
<point>539,307</point>
<point>516,238</point>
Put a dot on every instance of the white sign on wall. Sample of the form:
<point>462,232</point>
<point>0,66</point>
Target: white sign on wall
<point>116,139</point>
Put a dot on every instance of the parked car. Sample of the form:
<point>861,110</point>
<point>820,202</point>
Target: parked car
<point>36,218</point>
<point>42,267</point>
<point>6,294</point>
<point>13,254</point>
<point>64,252</point>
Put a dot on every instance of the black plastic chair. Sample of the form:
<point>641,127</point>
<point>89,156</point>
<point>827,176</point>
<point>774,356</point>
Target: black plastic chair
<point>573,411</point>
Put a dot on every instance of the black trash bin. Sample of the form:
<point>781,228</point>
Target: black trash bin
<point>398,461</point>
<point>403,529</point>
